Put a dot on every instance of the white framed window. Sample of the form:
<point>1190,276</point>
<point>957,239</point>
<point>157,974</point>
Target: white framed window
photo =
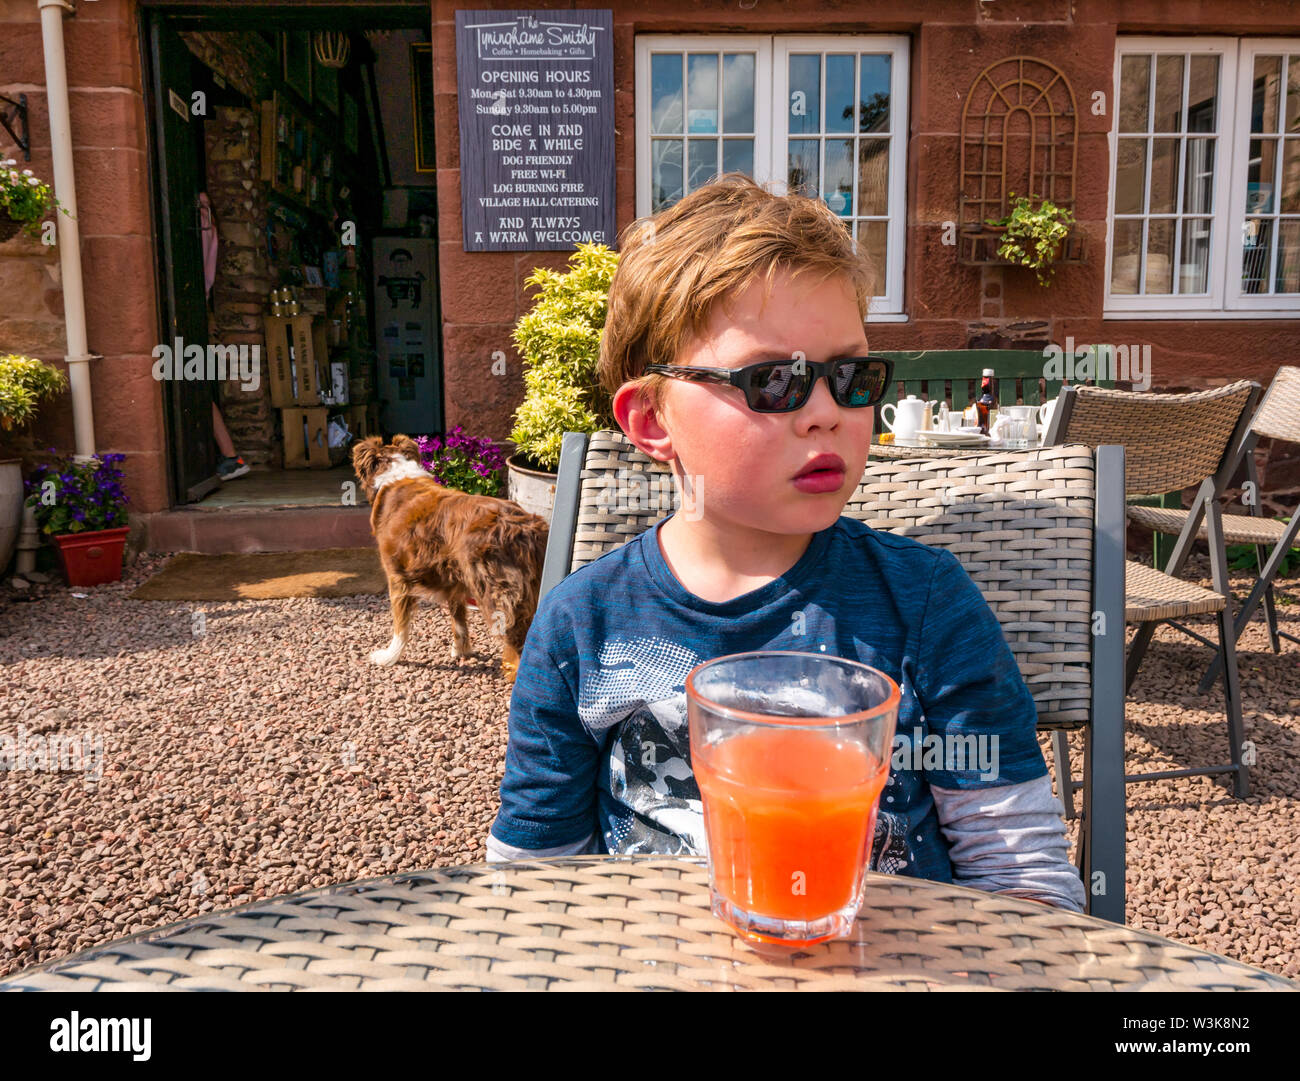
<point>823,114</point>
<point>1204,215</point>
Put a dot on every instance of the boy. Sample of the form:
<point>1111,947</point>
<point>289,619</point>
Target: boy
<point>759,557</point>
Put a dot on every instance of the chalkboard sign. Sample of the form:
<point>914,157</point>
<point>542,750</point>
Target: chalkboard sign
<point>536,95</point>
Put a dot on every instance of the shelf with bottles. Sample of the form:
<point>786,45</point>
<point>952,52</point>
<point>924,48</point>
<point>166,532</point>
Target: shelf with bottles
<point>298,157</point>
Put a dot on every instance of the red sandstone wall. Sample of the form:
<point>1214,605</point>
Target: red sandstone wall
<point>110,151</point>
<point>949,304</point>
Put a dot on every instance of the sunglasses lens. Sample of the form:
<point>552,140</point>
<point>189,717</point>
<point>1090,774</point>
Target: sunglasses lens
<point>775,388</point>
<point>860,382</point>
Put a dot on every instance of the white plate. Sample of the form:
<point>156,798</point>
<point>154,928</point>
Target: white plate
<point>957,439</point>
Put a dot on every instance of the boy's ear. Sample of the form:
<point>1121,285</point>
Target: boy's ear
<point>641,423</point>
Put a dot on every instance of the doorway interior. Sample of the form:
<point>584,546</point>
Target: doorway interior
<point>296,217</point>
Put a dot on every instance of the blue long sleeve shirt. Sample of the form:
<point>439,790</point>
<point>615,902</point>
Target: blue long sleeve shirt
<point>598,757</point>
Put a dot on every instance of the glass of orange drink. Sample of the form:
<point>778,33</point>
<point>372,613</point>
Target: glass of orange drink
<point>791,751</point>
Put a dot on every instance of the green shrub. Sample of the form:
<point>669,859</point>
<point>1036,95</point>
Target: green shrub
<point>559,340</point>
<point>25,382</point>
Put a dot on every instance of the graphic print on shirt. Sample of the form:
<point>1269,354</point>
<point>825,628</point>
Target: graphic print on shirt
<point>639,686</point>
<point>889,852</point>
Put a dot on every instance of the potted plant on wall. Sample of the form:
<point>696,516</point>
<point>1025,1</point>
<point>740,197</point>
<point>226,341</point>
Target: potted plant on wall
<point>464,462</point>
<point>25,383</point>
<point>81,506</point>
<point>1033,236</point>
<point>559,340</point>
<point>24,201</point>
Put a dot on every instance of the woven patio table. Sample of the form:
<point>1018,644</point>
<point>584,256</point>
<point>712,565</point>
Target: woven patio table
<point>601,922</point>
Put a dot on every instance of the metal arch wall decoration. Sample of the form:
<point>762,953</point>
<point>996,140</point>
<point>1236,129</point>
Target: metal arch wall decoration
<point>1019,121</point>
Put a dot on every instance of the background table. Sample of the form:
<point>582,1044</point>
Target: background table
<point>890,451</point>
<point>638,922</point>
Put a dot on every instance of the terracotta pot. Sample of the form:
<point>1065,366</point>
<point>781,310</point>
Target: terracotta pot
<point>532,489</point>
<point>91,559</point>
<point>11,507</point>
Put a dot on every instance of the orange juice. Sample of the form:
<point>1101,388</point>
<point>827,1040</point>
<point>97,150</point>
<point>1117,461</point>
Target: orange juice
<point>789,815</point>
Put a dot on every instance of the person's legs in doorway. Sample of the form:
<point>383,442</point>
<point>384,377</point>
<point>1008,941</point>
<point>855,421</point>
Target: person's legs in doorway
<point>231,464</point>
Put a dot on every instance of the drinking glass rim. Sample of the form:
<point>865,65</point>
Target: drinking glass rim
<point>770,721</point>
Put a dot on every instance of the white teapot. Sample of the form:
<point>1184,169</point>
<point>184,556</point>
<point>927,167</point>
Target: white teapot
<point>909,416</point>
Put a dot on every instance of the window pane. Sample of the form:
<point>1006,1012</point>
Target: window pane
<point>738,91</point>
<point>805,107</point>
<point>1288,258</point>
<point>873,95</point>
<point>702,92</point>
<point>839,93</point>
<point>1160,256</point>
<point>1164,176</point>
<point>802,171</point>
<point>1134,92</point>
<point>1202,93</point>
<point>1130,175</point>
<point>701,161</point>
<point>1289,201</point>
<point>1198,177</point>
<point>665,172</point>
<point>1169,93</point>
<point>873,176</point>
<point>666,93</point>
<point>738,156</point>
<point>874,237</point>
<point>1259,176</point>
<point>1268,81</point>
<point>837,181</point>
<point>1124,259</point>
<point>1194,273</point>
<point>1293,94</point>
<point>1256,249</point>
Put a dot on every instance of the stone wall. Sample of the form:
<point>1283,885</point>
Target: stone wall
<point>238,195</point>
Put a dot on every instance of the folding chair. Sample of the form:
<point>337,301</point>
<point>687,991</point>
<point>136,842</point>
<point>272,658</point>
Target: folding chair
<point>1278,418</point>
<point>1171,442</point>
<point>1041,533</point>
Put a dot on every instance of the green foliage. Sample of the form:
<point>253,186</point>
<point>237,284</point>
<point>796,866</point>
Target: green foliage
<point>24,197</point>
<point>1034,236</point>
<point>559,340</point>
<point>25,382</point>
<point>1241,557</point>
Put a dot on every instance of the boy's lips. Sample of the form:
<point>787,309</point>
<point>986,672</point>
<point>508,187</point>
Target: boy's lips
<point>825,473</point>
<point>822,462</point>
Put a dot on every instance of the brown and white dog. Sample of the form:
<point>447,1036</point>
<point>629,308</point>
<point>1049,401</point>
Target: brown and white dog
<point>446,545</point>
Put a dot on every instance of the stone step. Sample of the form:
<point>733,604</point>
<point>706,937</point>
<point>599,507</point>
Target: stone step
<point>276,529</point>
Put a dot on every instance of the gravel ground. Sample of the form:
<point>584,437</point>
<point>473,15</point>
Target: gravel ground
<point>250,752</point>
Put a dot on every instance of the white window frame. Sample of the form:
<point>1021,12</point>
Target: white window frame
<point>771,139</point>
<point>1223,298</point>
<point>1234,297</point>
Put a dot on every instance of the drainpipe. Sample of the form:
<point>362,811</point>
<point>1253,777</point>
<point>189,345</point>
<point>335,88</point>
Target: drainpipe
<point>65,189</point>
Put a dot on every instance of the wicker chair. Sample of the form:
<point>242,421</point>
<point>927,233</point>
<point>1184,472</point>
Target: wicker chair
<point>1171,442</point>
<point>1040,532</point>
<point>1278,417</point>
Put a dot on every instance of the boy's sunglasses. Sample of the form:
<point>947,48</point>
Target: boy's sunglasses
<point>782,386</point>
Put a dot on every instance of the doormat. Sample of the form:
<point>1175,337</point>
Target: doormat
<point>326,572</point>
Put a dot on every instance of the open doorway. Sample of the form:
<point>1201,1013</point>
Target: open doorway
<point>297,222</point>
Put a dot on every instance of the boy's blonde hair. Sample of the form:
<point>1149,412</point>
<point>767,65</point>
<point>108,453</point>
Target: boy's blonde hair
<point>676,267</point>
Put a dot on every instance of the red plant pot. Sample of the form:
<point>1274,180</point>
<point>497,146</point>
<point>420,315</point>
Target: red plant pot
<point>91,559</point>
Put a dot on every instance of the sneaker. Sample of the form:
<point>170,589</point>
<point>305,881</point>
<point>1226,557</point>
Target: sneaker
<point>230,468</point>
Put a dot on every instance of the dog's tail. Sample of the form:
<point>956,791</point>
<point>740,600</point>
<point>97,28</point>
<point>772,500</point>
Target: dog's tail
<point>508,573</point>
